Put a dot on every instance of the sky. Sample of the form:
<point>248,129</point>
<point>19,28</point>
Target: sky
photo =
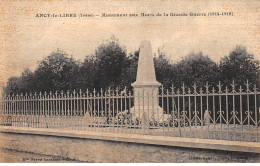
<point>25,39</point>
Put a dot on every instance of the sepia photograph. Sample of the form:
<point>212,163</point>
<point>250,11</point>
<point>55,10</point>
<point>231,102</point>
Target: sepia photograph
<point>116,81</point>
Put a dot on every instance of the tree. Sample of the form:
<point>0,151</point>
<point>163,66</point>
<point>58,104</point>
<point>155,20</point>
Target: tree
<point>239,66</point>
<point>111,61</point>
<point>87,73</point>
<point>195,68</point>
<point>12,85</point>
<point>27,81</point>
<point>57,72</point>
<point>24,83</point>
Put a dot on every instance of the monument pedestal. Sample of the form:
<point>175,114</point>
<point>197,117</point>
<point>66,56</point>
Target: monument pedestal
<point>146,102</point>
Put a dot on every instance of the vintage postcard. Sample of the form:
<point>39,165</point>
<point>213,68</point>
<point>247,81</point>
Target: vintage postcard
<point>116,81</point>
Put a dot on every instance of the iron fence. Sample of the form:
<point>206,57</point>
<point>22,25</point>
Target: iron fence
<point>226,113</point>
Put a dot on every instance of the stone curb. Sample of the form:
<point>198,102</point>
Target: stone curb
<point>252,147</point>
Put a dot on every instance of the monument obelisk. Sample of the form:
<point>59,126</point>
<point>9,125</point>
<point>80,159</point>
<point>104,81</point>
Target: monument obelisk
<point>146,103</point>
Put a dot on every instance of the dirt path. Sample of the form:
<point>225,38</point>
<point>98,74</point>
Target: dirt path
<point>13,156</point>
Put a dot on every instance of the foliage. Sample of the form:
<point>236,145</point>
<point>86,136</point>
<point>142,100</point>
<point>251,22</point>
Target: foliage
<point>111,61</point>
<point>195,68</point>
<point>87,73</point>
<point>110,66</point>
<point>239,66</point>
<point>24,83</point>
<point>57,72</point>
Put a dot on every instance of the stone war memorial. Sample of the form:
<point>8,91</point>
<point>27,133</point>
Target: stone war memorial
<point>146,85</point>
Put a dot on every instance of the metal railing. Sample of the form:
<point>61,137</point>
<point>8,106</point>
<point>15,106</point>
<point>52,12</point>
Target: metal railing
<point>197,112</point>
